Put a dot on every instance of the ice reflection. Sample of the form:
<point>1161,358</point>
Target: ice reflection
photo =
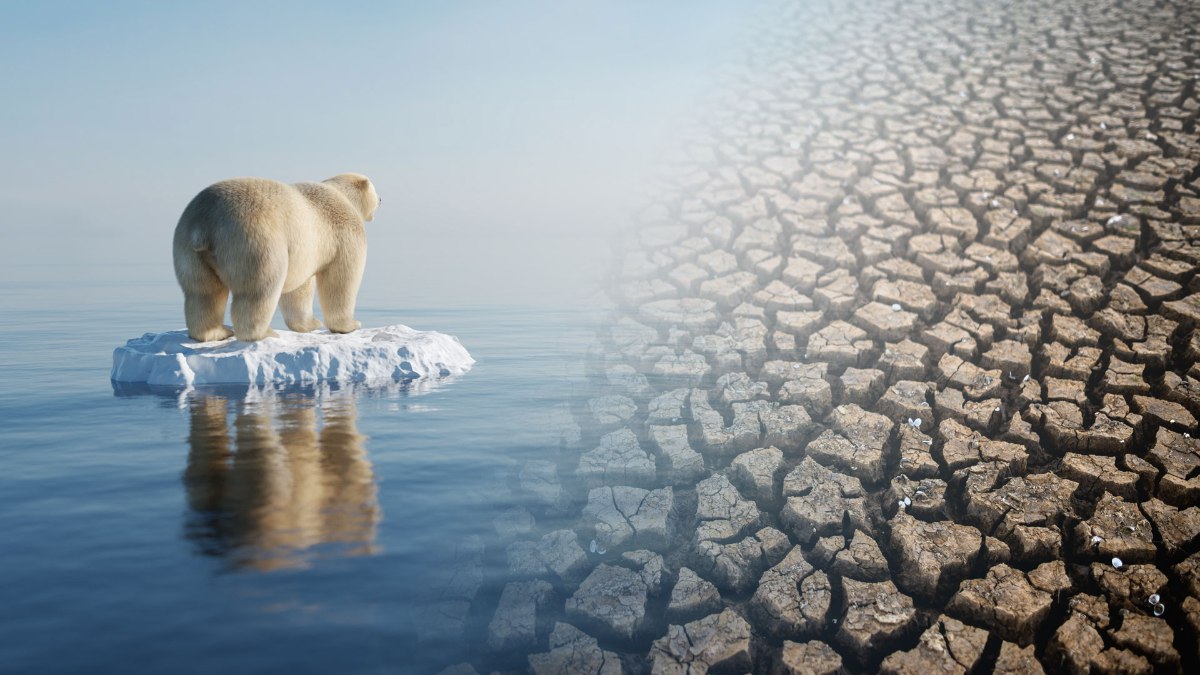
<point>277,479</point>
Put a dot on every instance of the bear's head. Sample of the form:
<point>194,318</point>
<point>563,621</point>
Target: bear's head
<point>360,191</point>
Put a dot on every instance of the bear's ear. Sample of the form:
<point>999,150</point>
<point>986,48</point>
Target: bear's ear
<point>362,182</point>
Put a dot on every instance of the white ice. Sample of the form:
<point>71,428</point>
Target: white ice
<point>395,353</point>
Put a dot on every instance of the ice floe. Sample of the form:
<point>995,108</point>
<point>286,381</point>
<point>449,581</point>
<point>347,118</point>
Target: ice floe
<point>397,353</point>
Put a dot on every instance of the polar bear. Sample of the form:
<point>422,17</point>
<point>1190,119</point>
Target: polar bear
<point>265,241</point>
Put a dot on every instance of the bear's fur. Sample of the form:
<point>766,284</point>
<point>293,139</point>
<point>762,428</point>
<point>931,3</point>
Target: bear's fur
<point>264,242</point>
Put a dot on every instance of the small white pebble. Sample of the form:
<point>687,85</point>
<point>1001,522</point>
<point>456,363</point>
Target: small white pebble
<point>1116,563</point>
<point>1070,137</point>
<point>900,503</point>
<point>1025,379</point>
<point>895,307</point>
<point>1153,599</point>
<point>907,501</point>
<point>914,422</point>
<point>1172,421</point>
<point>795,145</point>
<point>1159,609</point>
<point>928,441</point>
<point>1096,539</point>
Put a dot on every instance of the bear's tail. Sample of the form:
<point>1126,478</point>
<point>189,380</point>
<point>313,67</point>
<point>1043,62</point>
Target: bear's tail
<point>198,240</point>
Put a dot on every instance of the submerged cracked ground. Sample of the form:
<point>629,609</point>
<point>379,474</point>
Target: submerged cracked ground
<point>904,372</point>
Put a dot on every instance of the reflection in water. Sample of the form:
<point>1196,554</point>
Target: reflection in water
<point>292,476</point>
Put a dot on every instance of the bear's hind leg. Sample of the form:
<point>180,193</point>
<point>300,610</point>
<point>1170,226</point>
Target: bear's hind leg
<point>204,295</point>
<point>204,313</point>
<point>297,308</point>
<point>252,314</point>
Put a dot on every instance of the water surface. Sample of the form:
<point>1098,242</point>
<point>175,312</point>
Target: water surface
<point>222,529</point>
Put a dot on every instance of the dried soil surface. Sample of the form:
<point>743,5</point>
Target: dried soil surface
<point>904,371</point>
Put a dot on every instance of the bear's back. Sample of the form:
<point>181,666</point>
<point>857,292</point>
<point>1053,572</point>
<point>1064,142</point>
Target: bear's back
<point>239,200</point>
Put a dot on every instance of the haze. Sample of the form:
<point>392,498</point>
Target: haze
<point>508,140</point>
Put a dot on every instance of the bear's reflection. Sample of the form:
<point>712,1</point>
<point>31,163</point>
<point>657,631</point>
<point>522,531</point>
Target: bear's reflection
<point>290,481</point>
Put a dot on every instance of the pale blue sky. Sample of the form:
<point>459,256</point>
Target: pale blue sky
<point>503,136</point>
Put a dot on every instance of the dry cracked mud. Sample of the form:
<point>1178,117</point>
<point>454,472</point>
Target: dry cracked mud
<point>903,373</point>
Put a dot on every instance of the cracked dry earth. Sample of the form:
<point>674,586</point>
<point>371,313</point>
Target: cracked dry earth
<point>904,372</point>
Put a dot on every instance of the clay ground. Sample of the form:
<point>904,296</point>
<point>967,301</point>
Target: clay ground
<point>904,376</point>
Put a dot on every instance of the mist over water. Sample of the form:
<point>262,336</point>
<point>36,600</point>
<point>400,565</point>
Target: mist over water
<point>508,140</point>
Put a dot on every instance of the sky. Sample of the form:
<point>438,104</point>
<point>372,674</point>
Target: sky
<point>507,138</point>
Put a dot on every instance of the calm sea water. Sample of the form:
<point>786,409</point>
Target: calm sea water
<point>214,531</point>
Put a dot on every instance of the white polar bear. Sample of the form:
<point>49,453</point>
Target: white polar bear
<point>265,241</point>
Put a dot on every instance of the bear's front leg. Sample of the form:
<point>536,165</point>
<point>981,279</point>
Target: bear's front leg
<point>297,307</point>
<point>337,285</point>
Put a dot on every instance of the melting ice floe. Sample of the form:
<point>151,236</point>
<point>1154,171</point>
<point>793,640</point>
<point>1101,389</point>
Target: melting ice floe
<point>396,353</point>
